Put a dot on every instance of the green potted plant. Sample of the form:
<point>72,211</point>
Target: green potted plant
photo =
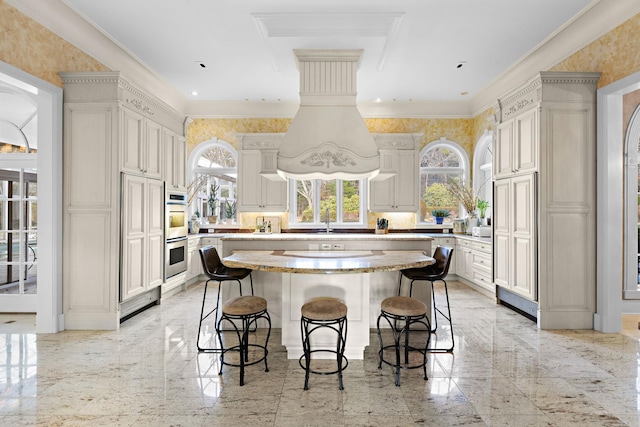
<point>212,202</point>
<point>482,207</point>
<point>440,215</point>
<point>230,209</point>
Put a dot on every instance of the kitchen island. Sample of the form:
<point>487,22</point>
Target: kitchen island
<point>288,271</point>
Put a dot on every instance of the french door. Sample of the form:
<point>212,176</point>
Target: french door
<point>18,237</point>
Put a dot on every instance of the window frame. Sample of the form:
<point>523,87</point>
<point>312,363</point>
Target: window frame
<point>318,220</point>
<point>463,169</point>
<point>484,145</point>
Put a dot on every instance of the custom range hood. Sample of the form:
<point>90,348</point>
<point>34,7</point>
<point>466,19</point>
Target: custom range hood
<point>328,139</point>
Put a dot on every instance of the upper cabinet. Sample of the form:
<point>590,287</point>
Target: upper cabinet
<point>517,144</point>
<point>142,150</point>
<point>175,155</point>
<point>396,188</point>
<point>259,189</point>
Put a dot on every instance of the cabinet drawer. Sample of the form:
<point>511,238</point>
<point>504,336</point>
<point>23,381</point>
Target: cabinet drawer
<point>463,243</point>
<point>444,241</point>
<point>482,279</point>
<point>193,243</point>
<point>209,241</point>
<point>482,262</point>
<point>481,246</point>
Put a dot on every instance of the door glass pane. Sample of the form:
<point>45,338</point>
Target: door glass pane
<point>18,231</point>
<point>351,201</point>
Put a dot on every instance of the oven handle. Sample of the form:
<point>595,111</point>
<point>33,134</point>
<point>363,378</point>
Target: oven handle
<point>176,239</point>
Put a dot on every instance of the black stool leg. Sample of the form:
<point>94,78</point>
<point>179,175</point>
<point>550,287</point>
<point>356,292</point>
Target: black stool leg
<point>203,317</point>
<point>306,348</point>
<point>446,316</point>
<point>433,303</point>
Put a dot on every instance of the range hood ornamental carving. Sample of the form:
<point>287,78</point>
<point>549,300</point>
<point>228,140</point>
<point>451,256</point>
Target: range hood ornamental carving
<point>328,139</point>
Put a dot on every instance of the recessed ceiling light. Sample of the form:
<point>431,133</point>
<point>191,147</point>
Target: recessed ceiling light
<point>378,100</point>
<point>464,93</point>
<point>460,64</point>
<point>194,92</point>
<point>201,64</point>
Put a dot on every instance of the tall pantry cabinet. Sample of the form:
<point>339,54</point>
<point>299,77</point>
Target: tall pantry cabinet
<point>115,163</point>
<point>545,199</point>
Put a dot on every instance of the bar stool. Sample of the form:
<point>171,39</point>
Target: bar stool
<point>320,313</point>
<point>218,272</point>
<point>406,311</point>
<point>434,273</point>
<point>247,310</point>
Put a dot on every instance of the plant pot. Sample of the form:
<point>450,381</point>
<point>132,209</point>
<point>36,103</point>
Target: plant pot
<point>212,219</point>
<point>382,230</point>
<point>439,219</point>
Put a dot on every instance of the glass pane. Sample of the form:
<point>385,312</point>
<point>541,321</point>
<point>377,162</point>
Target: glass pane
<point>351,201</point>
<point>218,157</point>
<point>304,200</point>
<point>436,195</point>
<point>440,157</point>
<point>328,200</point>
<point>31,276</point>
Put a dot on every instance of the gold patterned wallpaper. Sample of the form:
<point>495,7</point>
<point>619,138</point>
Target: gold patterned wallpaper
<point>27,45</point>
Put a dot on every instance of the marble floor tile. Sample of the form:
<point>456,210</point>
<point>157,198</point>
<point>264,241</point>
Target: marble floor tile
<point>503,372</point>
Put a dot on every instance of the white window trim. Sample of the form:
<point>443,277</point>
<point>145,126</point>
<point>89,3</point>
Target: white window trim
<point>318,217</point>
<point>485,141</point>
<point>464,159</point>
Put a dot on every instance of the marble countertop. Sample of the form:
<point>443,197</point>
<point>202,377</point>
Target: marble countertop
<point>326,236</point>
<point>328,262</point>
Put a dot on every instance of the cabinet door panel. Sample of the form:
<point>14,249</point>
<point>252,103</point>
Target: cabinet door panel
<point>155,258</point>
<point>523,283</point>
<point>381,195</point>
<point>249,186</point>
<point>503,154</point>
<point>274,195</point>
<point>501,260</point>
<point>133,280</point>
<point>526,147</point>
<point>406,192</point>
<point>153,150</point>
<point>132,142</point>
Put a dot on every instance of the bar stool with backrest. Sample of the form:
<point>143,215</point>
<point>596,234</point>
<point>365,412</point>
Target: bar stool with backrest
<point>323,313</point>
<point>434,273</point>
<point>217,272</point>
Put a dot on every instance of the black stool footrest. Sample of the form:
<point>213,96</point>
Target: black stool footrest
<point>345,362</point>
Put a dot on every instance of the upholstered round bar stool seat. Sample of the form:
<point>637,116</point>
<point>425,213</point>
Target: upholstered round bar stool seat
<point>243,313</point>
<point>401,314</point>
<point>323,313</point>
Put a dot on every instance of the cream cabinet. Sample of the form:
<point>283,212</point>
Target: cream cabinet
<point>194,269</point>
<point>517,145</point>
<point>175,147</point>
<point>464,259</point>
<point>545,199</point>
<point>142,149</point>
<point>113,241</point>
<point>142,235</point>
<point>514,235</point>
<point>400,192</point>
<point>255,192</point>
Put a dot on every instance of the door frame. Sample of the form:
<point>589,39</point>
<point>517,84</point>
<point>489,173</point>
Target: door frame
<point>611,165</point>
<point>48,98</point>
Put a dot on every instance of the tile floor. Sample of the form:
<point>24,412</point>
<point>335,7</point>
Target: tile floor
<point>504,372</point>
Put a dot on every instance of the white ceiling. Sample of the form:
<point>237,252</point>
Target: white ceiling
<point>411,47</point>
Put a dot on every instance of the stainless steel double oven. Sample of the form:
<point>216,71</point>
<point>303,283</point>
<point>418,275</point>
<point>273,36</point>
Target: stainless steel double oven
<point>176,229</point>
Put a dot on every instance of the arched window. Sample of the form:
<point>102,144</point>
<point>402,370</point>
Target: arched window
<point>213,171</point>
<point>440,162</point>
<point>482,169</point>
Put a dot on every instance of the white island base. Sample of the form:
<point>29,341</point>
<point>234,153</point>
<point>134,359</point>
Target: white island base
<point>353,289</point>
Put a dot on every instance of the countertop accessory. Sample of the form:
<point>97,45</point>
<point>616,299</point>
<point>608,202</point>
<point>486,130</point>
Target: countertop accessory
<point>382,226</point>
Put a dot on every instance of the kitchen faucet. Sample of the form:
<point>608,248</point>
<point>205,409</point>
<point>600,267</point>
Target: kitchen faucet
<point>326,220</point>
